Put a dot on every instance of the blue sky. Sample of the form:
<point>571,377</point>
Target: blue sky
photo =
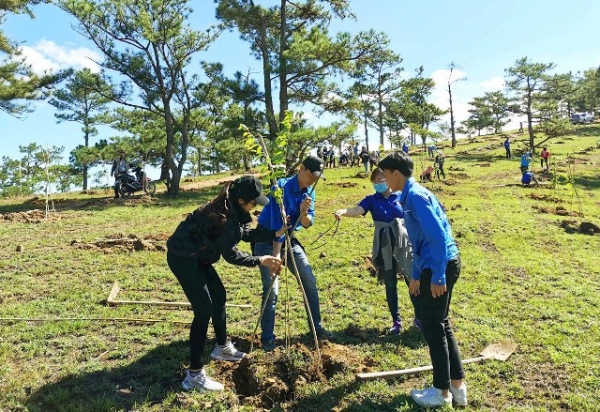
<point>483,37</point>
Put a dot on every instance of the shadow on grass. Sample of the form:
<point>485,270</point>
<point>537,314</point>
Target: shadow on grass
<point>588,183</point>
<point>147,380</point>
<point>329,400</point>
<point>588,130</point>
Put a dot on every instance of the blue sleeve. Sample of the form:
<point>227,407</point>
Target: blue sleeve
<point>434,235</point>
<point>366,204</point>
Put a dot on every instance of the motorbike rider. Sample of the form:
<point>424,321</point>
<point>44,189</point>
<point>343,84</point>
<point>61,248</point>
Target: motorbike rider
<point>119,168</point>
<point>209,232</point>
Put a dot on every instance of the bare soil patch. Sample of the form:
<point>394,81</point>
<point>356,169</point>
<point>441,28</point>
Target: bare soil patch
<point>547,198</point>
<point>122,243</point>
<point>265,379</point>
<point>586,228</point>
<point>32,216</point>
<point>74,204</point>
<point>558,210</point>
<point>345,184</point>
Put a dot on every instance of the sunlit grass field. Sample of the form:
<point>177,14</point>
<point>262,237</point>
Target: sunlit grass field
<point>528,276</point>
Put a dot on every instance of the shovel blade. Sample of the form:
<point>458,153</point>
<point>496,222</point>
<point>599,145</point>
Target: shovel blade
<point>500,350</point>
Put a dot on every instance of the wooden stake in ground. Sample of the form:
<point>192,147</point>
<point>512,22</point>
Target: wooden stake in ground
<point>499,351</point>
<point>112,300</point>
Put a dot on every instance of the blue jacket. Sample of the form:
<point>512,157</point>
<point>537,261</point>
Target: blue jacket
<point>293,196</point>
<point>429,231</point>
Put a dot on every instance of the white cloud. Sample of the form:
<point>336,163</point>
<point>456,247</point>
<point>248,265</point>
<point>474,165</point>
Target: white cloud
<point>493,84</point>
<point>460,97</point>
<point>46,55</point>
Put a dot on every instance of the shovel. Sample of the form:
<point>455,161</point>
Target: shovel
<point>499,351</point>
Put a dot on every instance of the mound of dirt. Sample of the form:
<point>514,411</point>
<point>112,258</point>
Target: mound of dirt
<point>30,216</point>
<point>586,228</point>
<point>459,175</point>
<point>548,198</point>
<point>345,184</point>
<point>265,379</point>
<point>558,210</point>
<point>130,243</point>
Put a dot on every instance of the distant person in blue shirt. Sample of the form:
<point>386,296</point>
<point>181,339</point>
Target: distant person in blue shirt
<point>391,253</point>
<point>527,178</point>
<point>405,147</point>
<point>436,268</point>
<point>525,160</point>
<point>431,151</point>
<point>507,147</point>
<point>298,202</point>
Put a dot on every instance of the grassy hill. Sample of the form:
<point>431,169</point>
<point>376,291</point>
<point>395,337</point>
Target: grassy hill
<point>530,274</point>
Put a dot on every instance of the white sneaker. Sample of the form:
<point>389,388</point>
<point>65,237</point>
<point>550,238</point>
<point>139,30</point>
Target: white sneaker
<point>200,382</point>
<point>431,398</point>
<point>459,395</point>
<point>227,352</point>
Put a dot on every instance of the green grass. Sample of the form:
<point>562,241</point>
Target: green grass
<point>524,278</point>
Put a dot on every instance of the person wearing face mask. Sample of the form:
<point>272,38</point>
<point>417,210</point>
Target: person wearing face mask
<point>392,252</point>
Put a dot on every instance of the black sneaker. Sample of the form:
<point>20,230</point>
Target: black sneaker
<point>324,334</point>
<point>268,345</point>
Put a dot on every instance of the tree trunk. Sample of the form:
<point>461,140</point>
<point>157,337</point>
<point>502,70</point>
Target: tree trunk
<point>452,129</point>
<point>86,139</point>
<point>530,120</point>
<point>380,120</point>
<point>366,132</point>
<point>283,95</point>
<point>269,107</point>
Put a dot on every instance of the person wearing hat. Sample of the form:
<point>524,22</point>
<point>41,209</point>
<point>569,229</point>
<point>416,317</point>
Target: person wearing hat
<point>298,203</point>
<point>209,232</point>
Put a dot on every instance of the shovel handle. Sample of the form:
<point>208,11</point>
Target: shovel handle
<point>392,374</point>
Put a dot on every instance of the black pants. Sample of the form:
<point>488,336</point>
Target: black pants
<point>443,348</point>
<point>507,153</point>
<point>207,296</point>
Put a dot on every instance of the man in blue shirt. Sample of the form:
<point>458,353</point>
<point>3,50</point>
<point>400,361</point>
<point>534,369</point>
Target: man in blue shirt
<point>436,268</point>
<point>527,178</point>
<point>298,202</point>
<point>507,147</point>
<point>525,160</point>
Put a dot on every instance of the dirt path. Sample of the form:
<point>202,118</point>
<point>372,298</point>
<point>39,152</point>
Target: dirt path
<point>208,183</point>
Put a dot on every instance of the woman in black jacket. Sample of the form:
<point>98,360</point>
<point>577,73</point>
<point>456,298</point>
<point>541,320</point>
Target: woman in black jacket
<point>212,231</point>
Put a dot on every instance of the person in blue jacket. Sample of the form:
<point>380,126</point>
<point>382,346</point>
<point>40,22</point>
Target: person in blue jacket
<point>391,253</point>
<point>298,202</point>
<point>525,160</point>
<point>507,147</point>
<point>528,177</point>
<point>436,268</point>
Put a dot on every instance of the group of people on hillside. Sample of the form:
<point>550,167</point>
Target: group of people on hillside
<point>349,156</point>
<point>527,175</point>
<point>437,169</point>
<point>412,237</point>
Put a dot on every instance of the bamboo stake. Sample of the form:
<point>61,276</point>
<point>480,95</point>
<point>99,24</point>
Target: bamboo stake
<point>112,300</point>
<point>95,319</point>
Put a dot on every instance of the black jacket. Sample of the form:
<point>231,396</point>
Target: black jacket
<point>194,239</point>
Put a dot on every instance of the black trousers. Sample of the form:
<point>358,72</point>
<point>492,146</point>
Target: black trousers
<point>443,347</point>
<point>207,296</point>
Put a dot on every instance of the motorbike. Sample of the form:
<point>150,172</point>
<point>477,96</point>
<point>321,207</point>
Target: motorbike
<point>129,184</point>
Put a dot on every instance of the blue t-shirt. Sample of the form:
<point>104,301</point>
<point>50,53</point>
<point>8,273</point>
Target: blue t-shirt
<point>383,209</point>
<point>526,178</point>
<point>293,195</point>
<point>507,144</point>
<point>525,159</point>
